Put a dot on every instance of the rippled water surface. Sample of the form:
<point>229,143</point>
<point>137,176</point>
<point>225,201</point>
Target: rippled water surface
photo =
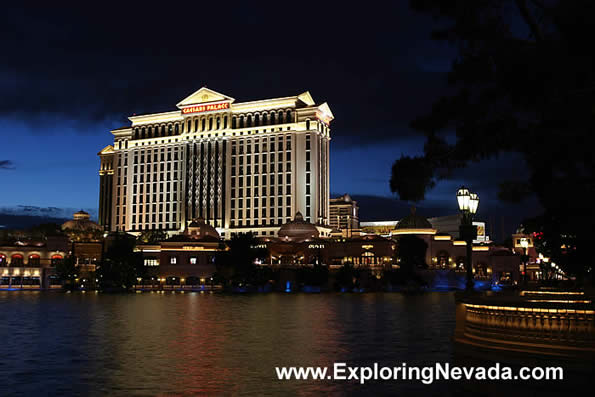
<point>187,344</point>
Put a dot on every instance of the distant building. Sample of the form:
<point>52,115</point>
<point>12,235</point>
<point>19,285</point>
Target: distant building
<point>344,215</point>
<point>445,250</point>
<point>299,243</point>
<point>184,259</point>
<point>443,224</point>
<point>240,166</point>
<point>87,240</point>
<point>30,264</point>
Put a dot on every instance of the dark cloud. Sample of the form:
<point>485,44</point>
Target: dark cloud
<point>376,68</point>
<point>6,165</point>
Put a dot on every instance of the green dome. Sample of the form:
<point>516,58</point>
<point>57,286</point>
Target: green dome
<point>414,221</point>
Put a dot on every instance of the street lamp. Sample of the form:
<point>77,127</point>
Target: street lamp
<point>525,245</point>
<point>468,204</point>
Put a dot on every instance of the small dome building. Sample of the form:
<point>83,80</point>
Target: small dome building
<point>81,222</point>
<point>298,230</point>
<point>414,224</point>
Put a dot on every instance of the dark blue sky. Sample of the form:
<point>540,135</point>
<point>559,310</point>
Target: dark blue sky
<point>73,74</point>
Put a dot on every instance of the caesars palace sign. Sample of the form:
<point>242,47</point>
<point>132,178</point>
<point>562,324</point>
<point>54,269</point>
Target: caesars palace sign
<point>206,108</point>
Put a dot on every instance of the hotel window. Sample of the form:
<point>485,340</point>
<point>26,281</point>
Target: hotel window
<point>224,122</point>
<point>210,124</point>
<point>307,127</point>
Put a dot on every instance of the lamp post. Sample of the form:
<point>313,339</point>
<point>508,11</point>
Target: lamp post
<point>468,204</point>
<point>525,245</point>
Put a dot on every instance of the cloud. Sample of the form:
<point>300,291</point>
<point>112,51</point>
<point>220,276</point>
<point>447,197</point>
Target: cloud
<point>66,64</point>
<point>6,165</point>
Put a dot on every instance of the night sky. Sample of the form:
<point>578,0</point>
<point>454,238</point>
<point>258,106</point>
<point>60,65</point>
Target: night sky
<point>69,75</point>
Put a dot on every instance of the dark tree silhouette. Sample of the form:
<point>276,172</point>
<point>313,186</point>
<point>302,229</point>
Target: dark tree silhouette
<point>237,264</point>
<point>120,266</point>
<point>411,251</point>
<point>523,81</point>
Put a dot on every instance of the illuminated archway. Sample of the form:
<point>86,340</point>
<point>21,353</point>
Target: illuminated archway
<point>56,259</point>
<point>16,260</point>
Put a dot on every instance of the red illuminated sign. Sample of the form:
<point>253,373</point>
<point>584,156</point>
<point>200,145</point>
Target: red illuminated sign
<point>206,108</point>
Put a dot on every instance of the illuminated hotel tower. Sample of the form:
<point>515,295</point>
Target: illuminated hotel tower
<point>242,167</point>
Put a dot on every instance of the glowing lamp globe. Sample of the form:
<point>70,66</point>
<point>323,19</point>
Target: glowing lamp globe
<point>463,197</point>
<point>473,203</point>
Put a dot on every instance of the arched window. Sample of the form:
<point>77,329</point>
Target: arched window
<point>264,119</point>
<point>189,125</point>
<point>249,121</point>
<point>308,124</point>
<point>241,122</point>
<point>16,260</point>
<point>224,122</point>
<point>34,260</point>
<point>177,128</point>
<point>56,259</point>
<point>272,117</point>
<point>210,124</point>
<point>257,119</point>
<point>233,122</point>
<point>195,124</point>
<point>288,117</point>
<point>218,123</point>
<point>203,124</point>
<point>280,117</point>
<point>142,133</point>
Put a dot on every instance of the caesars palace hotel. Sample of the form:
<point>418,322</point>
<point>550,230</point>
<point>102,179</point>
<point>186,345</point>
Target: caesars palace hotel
<point>241,167</point>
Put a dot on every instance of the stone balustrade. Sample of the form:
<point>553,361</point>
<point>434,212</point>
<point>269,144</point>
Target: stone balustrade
<point>541,323</point>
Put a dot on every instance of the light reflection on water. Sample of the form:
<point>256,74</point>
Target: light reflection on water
<point>156,344</point>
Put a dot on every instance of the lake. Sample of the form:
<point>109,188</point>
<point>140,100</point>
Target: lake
<point>203,343</point>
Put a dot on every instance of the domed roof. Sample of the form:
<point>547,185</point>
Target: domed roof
<point>81,215</point>
<point>413,221</point>
<point>81,221</point>
<point>298,229</point>
<point>198,229</point>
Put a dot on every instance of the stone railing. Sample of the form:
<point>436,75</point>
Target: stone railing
<point>542,323</point>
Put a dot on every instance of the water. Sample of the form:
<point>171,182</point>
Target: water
<point>188,344</point>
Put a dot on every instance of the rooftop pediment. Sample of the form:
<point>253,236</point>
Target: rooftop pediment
<point>203,95</point>
<point>106,150</point>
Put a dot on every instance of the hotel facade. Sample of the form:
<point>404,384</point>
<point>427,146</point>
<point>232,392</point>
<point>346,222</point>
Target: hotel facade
<point>242,167</point>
